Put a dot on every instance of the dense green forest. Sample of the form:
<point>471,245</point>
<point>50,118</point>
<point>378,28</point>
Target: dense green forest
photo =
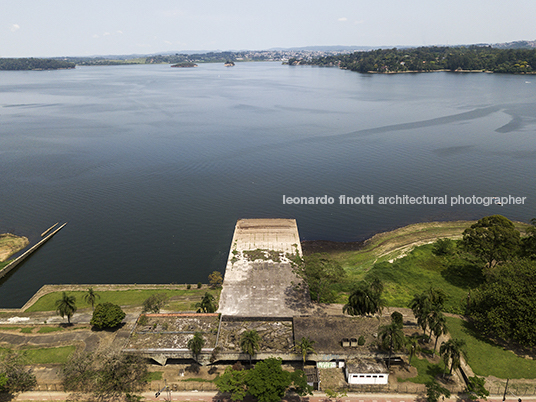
<point>34,64</point>
<point>434,58</point>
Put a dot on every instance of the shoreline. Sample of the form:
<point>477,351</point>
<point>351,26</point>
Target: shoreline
<point>11,244</point>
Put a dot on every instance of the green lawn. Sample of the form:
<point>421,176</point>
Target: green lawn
<point>49,355</point>
<point>35,355</point>
<point>182,298</point>
<point>486,358</point>
<point>46,330</point>
<point>413,274</point>
<point>427,371</point>
<point>154,376</point>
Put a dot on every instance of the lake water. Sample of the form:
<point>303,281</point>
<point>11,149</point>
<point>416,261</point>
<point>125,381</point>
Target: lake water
<point>152,165</point>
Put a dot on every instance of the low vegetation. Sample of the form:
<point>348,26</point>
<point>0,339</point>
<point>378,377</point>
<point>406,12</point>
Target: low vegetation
<point>487,273</point>
<point>9,245</point>
<point>487,357</point>
<point>178,299</point>
<point>36,355</point>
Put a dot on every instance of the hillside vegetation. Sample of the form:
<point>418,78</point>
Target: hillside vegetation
<point>433,58</point>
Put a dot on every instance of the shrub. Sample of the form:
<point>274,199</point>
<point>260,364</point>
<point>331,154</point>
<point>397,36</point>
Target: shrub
<point>107,315</point>
<point>215,279</point>
<point>444,247</point>
<point>199,284</point>
<point>188,286</point>
<point>143,320</point>
<point>361,340</point>
<point>154,303</point>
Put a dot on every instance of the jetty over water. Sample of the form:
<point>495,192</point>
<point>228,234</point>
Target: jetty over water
<point>259,280</point>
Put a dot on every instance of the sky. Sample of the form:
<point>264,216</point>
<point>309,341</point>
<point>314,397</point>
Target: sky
<point>50,28</point>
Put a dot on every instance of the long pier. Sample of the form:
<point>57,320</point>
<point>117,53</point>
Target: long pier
<point>29,252</point>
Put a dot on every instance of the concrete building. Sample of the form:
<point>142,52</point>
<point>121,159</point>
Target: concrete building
<point>366,372</point>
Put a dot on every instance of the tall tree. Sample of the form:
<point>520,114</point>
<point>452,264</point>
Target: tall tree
<point>108,375</point>
<point>66,306</point>
<point>452,350</point>
<point>493,239</point>
<point>529,241</point>
<point>91,297</point>
<point>107,315</point>
<point>207,304</point>
<point>438,326</point>
<point>268,381</point>
<point>232,382</point>
<point>14,376</point>
<point>413,345</point>
<point>421,307</point>
<point>304,347</point>
<point>365,299</point>
<point>504,305</point>
<point>391,338</point>
<point>249,343</point>
<point>196,344</point>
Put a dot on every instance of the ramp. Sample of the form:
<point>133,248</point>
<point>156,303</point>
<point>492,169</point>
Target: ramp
<point>259,280</point>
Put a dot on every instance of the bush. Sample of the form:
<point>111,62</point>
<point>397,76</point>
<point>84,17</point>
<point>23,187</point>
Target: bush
<point>107,315</point>
<point>361,340</point>
<point>444,247</point>
<point>199,284</point>
<point>143,320</point>
<point>215,279</point>
<point>14,376</point>
<point>188,286</point>
<point>154,303</point>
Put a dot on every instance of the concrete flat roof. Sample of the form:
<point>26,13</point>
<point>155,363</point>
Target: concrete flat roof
<point>259,280</point>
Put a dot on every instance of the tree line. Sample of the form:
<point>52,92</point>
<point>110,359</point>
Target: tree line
<point>34,64</point>
<point>432,58</point>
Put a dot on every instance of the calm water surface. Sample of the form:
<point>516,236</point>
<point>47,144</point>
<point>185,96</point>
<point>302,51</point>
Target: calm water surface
<point>152,166</point>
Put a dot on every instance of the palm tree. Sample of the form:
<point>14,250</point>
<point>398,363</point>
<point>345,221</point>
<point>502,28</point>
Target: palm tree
<point>365,300</point>
<point>421,307</point>
<point>66,306</point>
<point>438,326</point>
<point>90,297</point>
<point>196,344</point>
<point>249,343</point>
<point>412,344</point>
<point>304,347</point>
<point>452,350</point>
<point>207,304</point>
<point>392,337</point>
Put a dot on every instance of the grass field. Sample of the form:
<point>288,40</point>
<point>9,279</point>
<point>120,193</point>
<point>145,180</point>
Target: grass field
<point>486,358</point>
<point>403,260</point>
<point>427,371</point>
<point>416,272</point>
<point>35,355</point>
<point>179,299</point>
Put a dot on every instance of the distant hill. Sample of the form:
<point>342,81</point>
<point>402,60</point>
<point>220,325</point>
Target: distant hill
<point>520,44</point>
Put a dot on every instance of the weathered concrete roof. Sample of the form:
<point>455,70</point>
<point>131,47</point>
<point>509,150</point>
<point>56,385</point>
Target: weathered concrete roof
<point>366,366</point>
<point>259,280</point>
<point>328,332</point>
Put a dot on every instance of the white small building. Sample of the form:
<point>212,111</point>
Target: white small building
<point>366,372</point>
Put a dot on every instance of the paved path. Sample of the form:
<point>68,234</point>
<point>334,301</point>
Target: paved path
<point>214,397</point>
